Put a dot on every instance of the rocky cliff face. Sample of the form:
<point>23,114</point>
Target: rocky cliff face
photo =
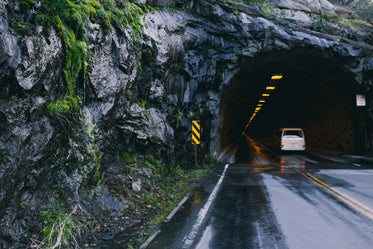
<point>140,95</point>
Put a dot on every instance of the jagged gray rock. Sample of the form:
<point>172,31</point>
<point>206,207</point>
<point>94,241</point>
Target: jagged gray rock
<point>188,62</point>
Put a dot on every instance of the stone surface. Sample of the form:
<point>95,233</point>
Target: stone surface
<point>136,186</point>
<point>187,62</point>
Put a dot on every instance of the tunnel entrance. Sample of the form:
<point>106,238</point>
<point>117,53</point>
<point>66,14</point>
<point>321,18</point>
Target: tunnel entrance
<point>317,93</point>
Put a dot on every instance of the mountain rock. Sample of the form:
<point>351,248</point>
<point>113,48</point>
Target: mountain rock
<point>141,96</point>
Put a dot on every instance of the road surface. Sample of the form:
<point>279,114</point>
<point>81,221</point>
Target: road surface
<point>269,200</point>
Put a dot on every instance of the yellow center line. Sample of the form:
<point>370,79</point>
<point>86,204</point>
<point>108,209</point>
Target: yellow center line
<point>345,198</point>
<point>355,201</point>
<point>317,180</point>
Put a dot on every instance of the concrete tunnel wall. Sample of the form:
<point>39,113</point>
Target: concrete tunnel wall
<point>317,94</point>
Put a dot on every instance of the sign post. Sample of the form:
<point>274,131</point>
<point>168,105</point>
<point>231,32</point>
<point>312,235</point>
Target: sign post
<point>196,138</point>
<point>360,100</point>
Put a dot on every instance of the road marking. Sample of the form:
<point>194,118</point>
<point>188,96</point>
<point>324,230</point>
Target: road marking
<point>357,165</point>
<point>330,158</point>
<point>259,236</point>
<point>367,211</point>
<point>150,239</point>
<point>169,217</point>
<point>189,239</point>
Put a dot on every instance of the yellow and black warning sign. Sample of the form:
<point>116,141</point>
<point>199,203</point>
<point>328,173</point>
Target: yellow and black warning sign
<point>196,132</point>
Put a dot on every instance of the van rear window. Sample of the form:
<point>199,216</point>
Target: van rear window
<point>293,133</point>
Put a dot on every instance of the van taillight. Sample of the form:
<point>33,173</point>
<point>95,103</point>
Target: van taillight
<point>304,144</point>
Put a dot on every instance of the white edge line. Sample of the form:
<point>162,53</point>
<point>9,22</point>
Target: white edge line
<point>259,236</point>
<point>189,239</point>
<point>150,239</point>
<point>169,217</point>
<point>357,165</point>
<point>355,202</point>
<point>173,212</point>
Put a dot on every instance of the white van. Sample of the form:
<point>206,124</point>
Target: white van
<point>293,139</point>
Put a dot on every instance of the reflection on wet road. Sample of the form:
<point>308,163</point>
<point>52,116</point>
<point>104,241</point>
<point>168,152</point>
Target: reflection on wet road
<point>268,200</point>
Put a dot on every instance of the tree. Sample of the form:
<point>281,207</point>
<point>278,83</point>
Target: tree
<point>342,2</point>
<point>364,9</point>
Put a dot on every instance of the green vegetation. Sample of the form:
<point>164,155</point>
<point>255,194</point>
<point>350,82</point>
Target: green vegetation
<point>267,6</point>
<point>172,10</point>
<point>127,157</point>
<point>322,22</point>
<point>24,28</point>
<point>23,205</point>
<point>364,9</point>
<point>141,102</point>
<point>67,104</point>
<point>60,226</point>
<point>170,193</point>
<point>95,178</point>
<point>353,23</point>
<point>5,159</point>
<point>160,170</point>
<point>324,18</point>
<point>27,4</point>
<point>74,14</point>
<point>145,113</point>
<point>242,1</point>
<point>14,99</point>
<point>169,186</point>
<point>175,119</point>
<point>70,17</point>
<point>69,20</point>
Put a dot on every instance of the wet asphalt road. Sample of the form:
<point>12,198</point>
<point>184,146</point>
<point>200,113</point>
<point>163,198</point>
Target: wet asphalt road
<point>268,200</point>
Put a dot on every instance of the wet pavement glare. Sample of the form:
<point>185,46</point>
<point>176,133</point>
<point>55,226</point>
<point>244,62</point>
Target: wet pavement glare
<point>270,200</point>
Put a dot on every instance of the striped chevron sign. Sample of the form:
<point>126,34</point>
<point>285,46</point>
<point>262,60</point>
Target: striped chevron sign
<point>196,132</point>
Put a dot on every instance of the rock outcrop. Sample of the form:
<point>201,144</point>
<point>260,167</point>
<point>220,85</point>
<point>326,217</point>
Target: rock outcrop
<point>140,95</point>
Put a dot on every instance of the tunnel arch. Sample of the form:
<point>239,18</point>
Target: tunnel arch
<point>317,93</point>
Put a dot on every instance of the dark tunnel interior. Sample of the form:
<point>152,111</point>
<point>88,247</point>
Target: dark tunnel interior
<point>316,93</point>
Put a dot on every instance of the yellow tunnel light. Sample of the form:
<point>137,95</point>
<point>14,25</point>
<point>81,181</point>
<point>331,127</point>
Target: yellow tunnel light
<point>260,105</point>
<point>257,109</point>
<point>270,88</point>
<point>265,94</point>
<point>262,101</point>
<point>276,77</point>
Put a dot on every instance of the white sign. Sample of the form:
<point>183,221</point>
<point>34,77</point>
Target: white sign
<point>360,100</point>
